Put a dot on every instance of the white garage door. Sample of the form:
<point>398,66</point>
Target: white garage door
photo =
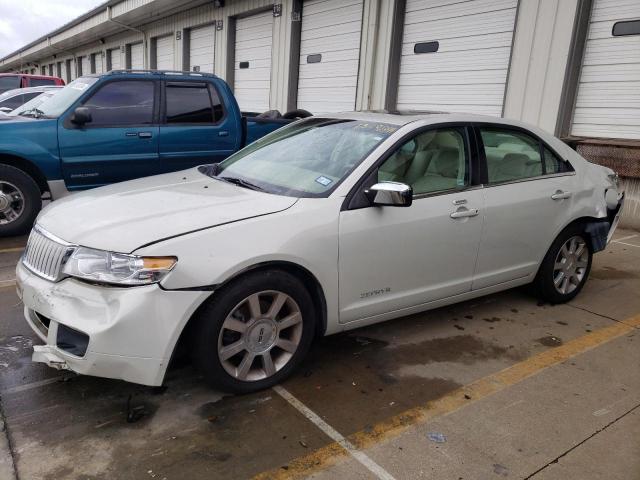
<point>329,55</point>
<point>164,53</point>
<point>608,100</point>
<point>114,59</point>
<point>137,56</point>
<point>201,49</point>
<point>99,63</point>
<point>252,72</point>
<point>467,72</point>
<point>74,73</point>
<point>86,65</point>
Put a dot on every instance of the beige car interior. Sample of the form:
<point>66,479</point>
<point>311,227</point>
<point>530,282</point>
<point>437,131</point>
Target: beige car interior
<point>431,162</point>
<point>511,156</point>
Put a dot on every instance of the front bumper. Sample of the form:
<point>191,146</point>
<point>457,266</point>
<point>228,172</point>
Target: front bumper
<point>131,331</point>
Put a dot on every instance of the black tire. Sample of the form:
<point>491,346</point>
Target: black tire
<point>295,114</point>
<point>31,201</point>
<point>211,316</point>
<point>544,282</point>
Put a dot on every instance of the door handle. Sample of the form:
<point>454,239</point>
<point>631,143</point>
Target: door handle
<point>560,195</point>
<point>144,135</point>
<point>223,133</point>
<point>465,213</point>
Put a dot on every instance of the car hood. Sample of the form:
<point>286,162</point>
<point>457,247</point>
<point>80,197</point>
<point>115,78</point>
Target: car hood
<point>125,216</point>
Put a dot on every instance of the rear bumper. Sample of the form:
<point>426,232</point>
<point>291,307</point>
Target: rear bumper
<point>614,216</point>
<point>121,333</point>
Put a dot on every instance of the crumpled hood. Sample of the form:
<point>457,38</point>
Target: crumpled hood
<point>125,216</point>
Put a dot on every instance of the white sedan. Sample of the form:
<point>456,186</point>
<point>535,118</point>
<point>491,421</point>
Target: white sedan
<point>326,225</point>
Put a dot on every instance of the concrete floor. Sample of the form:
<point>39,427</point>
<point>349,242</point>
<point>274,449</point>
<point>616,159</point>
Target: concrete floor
<point>500,387</point>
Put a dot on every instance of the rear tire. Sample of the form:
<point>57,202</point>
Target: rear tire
<point>254,332</point>
<point>20,201</point>
<point>565,267</point>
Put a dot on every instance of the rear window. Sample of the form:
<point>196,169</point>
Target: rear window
<point>9,83</point>
<point>41,82</point>
<point>15,102</point>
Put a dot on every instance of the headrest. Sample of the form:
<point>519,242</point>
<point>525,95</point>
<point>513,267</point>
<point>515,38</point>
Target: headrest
<point>445,163</point>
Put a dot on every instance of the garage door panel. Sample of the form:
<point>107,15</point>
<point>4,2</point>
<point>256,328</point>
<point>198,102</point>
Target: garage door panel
<point>114,59</point>
<point>137,56</point>
<point>467,44</point>
<point>474,51</point>
<point>419,11</point>
<point>608,97</point>
<point>450,28</point>
<point>332,30</point>
<point>165,57</point>
<point>202,48</point>
<point>254,39</point>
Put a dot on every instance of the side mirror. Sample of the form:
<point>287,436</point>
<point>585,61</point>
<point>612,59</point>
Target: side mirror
<point>5,109</point>
<point>80,116</point>
<point>391,194</point>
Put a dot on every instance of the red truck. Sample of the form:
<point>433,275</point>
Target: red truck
<point>9,81</point>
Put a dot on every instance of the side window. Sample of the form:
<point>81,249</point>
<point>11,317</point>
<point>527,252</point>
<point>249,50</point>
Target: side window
<point>511,155</point>
<point>553,164</point>
<point>432,161</point>
<point>122,103</point>
<point>192,103</point>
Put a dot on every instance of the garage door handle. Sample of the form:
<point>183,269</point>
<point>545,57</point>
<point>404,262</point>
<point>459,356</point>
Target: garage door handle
<point>560,195</point>
<point>464,213</point>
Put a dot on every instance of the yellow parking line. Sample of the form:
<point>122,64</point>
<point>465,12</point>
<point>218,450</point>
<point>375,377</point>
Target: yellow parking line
<point>459,398</point>
<point>11,250</point>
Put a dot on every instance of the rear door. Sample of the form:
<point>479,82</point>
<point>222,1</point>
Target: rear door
<point>121,141</point>
<point>528,198</point>
<point>196,129</point>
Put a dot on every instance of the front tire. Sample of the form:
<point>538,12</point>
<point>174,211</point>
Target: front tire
<point>566,266</point>
<point>20,201</point>
<point>254,332</point>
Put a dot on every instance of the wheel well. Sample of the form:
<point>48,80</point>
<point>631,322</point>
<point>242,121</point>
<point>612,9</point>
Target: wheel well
<point>583,222</point>
<point>27,167</point>
<point>305,276</point>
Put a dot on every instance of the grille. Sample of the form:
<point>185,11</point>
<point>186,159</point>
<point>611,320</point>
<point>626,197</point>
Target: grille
<point>45,255</point>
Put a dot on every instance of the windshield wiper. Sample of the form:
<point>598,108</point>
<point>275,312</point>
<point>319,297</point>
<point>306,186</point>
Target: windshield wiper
<point>241,183</point>
<point>32,112</point>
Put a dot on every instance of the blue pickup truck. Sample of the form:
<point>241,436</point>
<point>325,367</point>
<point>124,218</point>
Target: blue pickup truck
<point>108,128</point>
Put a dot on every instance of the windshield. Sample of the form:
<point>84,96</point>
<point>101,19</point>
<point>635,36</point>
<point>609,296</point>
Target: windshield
<point>9,83</point>
<point>59,103</point>
<point>305,159</point>
<point>33,103</point>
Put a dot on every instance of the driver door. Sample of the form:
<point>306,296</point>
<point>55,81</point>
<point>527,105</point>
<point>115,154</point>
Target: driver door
<point>394,258</point>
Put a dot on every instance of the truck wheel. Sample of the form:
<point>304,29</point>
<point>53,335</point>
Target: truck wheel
<point>20,201</point>
<point>254,332</point>
<point>566,267</point>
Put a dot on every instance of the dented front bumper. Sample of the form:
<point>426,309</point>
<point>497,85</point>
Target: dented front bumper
<point>122,333</point>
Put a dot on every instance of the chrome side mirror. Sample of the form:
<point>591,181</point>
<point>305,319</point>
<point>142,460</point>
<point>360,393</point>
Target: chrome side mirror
<point>390,194</point>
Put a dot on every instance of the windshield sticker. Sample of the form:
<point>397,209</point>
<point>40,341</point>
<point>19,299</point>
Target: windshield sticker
<point>324,181</point>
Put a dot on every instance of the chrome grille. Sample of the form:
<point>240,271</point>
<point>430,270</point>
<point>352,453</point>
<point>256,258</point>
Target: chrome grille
<point>45,254</point>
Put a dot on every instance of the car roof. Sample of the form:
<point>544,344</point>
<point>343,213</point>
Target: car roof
<point>30,75</point>
<point>401,118</point>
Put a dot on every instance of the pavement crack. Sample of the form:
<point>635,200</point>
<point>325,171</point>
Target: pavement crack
<point>599,314</point>
<point>7,435</point>
<point>602,429</point>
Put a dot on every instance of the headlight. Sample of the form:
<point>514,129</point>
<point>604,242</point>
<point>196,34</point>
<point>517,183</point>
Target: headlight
<point>117,268</point>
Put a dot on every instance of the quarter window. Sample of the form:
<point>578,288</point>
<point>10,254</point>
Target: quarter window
<point>433,161</point>
<point>511,156</point>
<point>192,103</point>
<point>553,164</point>
<point>122,103</point>
<point>15,102</point>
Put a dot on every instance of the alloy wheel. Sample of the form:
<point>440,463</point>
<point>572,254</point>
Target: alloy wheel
<point>260,335</point>
<point>571,265</point>
<point>11,202</point>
